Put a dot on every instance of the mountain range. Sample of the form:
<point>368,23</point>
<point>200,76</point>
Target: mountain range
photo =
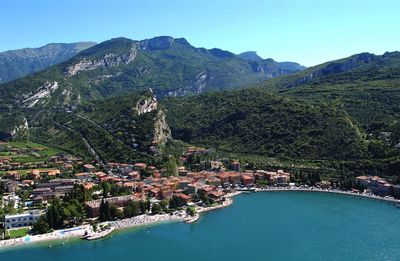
<point>331,115</point>
<point>18,63</point>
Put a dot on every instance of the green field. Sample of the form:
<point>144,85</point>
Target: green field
<point>43,154</point>
<point>16,233</point>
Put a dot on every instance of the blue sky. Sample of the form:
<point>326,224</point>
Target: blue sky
<point>306,31</point>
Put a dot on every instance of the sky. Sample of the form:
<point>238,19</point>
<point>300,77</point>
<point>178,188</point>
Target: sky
<point>306,31</point>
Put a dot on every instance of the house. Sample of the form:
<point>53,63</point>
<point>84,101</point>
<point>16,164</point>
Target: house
<point>235,166</point>
<point>282,179</point>
<point>384,188</point>
<point>217,165</point>
<point>22,220</point>
<point>234,178</point>
<point>363,181</point>
<point>396,191</point>
<point>213,181</point>
<point>216,195</point>
<point>35,174</point>
<point>83,175</point>
<point>248,180</point>
<point>182,196</point>
<point>192,189</point>
<point>89,168</point>
<point>93,207</point>
<point>139,166</point>
<point>64,189</point>
<point>155,192</point>
<point>205,190</point>
<point>224,177</point>
<point>182,171</point>
<point>166,192</point>
<point>68,166</point>
<point>134,175</point>
<point>15,175</point>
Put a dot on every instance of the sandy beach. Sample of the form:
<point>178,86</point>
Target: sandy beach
<point>147,220</point>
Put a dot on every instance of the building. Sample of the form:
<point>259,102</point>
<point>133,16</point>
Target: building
<point>236,166</point>
<point>22,220</point>
<point>363,181</point>
<point>89,168</point>
<point>396,191</point>
<point>248,180</point>
<point>93,207</point>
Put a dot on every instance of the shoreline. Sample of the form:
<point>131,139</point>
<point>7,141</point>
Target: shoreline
<point>147,220</point>
<point>333,191</point>
<point>56,235</point>
<point>80,231</point>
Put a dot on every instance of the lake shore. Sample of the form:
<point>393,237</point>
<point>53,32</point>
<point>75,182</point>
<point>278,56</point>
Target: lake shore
<point>56,235</point>
<point>335,191</point>
<point>145,220</point>
<point>81,231</point>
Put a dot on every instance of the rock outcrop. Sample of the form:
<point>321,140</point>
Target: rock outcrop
<point>40,95</point>
<point>20,130</point>
<point>162,132</point>
<point>146,105</point>
<point>108,60</point>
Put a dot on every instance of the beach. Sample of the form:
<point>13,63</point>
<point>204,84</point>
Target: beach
<point>143,220</point>
<point>63,234</point>
<point>81,231</point>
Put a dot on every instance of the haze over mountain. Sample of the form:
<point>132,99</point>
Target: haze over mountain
<point>18,63</point>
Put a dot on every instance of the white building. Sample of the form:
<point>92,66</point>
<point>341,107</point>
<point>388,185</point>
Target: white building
<point>22,220</point>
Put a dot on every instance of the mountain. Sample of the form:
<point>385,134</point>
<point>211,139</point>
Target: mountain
<point>366,85</point>
<point>125,129</point>
<point>18,63</point>
<point>171,67</point>
<point>250,56</point>
<point>254,121</point>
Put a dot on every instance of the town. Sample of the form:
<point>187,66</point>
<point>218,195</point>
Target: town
<point>42,190</point>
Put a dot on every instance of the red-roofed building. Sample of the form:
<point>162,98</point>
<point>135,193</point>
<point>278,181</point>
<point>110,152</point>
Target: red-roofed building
<point>216,195</point>
<point>139,166</point>
<point>248,180</point>
<point>89,168</point>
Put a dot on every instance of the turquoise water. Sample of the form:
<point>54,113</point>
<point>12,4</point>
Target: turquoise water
<point>260,226</point>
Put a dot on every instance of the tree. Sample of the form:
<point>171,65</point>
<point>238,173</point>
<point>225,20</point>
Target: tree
<point>41,226</point>
<point>164,204</point>
<point>115,213</point>
<point>104,211</point>
<point>106,188</point>
<point>132,209</point>
<point>101,210</point>
<point>143,207</point>
<point>54,216</point>
<point>171,166</point>
<point>148,205</point>
<point>155,209</point>
<point>191,211</point>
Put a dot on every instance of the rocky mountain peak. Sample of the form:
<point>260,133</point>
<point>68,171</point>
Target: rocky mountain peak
<point>157,43</point>
<point>250,56</point>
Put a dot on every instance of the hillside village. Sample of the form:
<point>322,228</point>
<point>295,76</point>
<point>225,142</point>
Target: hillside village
<point>34,180</point>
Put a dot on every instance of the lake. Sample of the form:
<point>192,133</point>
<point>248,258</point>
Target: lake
<point>258,226</point>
